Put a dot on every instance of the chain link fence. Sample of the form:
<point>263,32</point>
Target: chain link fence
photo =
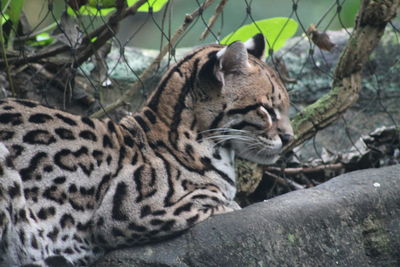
<point>107,64</point>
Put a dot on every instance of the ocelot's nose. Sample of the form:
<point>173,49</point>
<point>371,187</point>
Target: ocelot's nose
<point>286,138</point>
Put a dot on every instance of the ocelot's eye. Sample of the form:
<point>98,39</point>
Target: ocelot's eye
<point>271,112</point>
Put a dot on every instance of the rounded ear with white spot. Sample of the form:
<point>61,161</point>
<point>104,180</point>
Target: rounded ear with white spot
<point>233,58</point>
<point>256,46</point>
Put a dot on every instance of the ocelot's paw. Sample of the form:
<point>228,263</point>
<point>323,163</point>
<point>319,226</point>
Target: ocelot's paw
<point>52,261</point>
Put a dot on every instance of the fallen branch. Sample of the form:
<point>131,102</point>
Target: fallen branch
<point>285,182</point>
<point>150,69</point>
<point>306,170</point>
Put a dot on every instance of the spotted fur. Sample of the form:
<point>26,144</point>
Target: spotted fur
<point>73,188</point>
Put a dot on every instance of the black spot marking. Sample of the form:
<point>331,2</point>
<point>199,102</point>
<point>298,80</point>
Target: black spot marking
<point>117,232</point>
<point>14,191</point>
<point>137,228</point>
<point>192,220</point>
<point>244,124</point>
<point>48,168</point>
<point>26,103</point>
<point>109,159</point>
<point>17,150</point>
<point>103,186</point>
<point>111,126</point>
<point>189,150</point>
<point>34,242</point>
<point>53,234</point>
<point>216,155</point>
<point>40,118</point>
<point>64,133</point>
<point>66,220</point>
<point>88,122</point>
<point>119,196</point>
<point>128,141</point>
<point>207,71</point>
<point>156,222</point>
<point>12,118</point>
<point>5,135</point>
<point>153,103</point>
<point>243,110</point>
<point>146,210</point>
<point>142,123</point>
<point>150,116</point>
<point>72,189</point>
<point>57,261</point>
<point>168,225</point>
<point>42,214</point>
<point>107,142</point>
<point>21,235</point>
<point>59,180</point>
<point>8,108</point>
<point>180,106</point>
<point>137,177</point>
<point>67,120</point>
<point>134,159</point>
<point>39,137</point>
<point>159,213</point>
<point>88,135</point>
<point>184,208</point>
<point>58,160</point>
<point>27,173</point>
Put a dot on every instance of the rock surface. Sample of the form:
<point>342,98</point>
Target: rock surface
<point>351,220</point>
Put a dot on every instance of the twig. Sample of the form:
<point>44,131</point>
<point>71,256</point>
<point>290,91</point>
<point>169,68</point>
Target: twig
<point>284,182</point>
<point>294,171</point>
<point>150,69</point>
<point>213,19</point>
<point>104,33</point>
<point>4,55</point>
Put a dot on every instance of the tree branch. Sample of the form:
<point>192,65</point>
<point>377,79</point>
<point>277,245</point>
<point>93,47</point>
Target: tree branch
<point>213,19</point>
<point>370,26</point>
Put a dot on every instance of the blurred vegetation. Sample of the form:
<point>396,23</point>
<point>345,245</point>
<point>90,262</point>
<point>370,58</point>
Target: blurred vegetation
<point>142,29</point>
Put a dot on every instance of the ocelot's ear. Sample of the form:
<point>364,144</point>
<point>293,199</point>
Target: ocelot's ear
<point>233,58</point>
<point>256,46</point>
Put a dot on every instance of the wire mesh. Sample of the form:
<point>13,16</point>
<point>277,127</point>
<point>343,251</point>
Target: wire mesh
<point>68,81</point>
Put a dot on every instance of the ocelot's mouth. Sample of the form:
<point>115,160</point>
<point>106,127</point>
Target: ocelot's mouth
<point>261,150</point>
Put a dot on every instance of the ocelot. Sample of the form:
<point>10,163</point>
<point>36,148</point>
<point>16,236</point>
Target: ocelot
<point>73,188</point>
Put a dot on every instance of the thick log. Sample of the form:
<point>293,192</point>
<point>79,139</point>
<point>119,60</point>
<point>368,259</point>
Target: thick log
<point>351,220</point>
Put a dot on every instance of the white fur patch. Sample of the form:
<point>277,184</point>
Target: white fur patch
<point>3,152</point>
<point>250,44</point>
<point>221,52</point>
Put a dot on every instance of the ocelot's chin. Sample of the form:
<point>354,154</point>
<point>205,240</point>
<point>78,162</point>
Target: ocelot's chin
<point>260,159</point>
<point>260,155</point>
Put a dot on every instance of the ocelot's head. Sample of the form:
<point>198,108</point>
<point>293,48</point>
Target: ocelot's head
<point>242,103</point>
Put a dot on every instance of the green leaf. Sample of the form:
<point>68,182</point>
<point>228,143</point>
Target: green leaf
<point>104,7</point>
<point>42,39</point>
<point>3,19</point>
<point>275,30</point>
<point>14,11</point>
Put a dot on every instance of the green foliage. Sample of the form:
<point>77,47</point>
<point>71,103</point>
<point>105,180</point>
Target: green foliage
<point>276,31</point>
<point>104,7</point>
<point>3,19</point>
<point>11,11</point>
<point>42,39</point>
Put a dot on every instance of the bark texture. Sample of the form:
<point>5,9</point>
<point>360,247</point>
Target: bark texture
<point>351,220</point>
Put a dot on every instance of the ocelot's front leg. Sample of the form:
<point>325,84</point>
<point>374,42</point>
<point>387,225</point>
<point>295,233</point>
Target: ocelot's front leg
<point>152,223</point>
